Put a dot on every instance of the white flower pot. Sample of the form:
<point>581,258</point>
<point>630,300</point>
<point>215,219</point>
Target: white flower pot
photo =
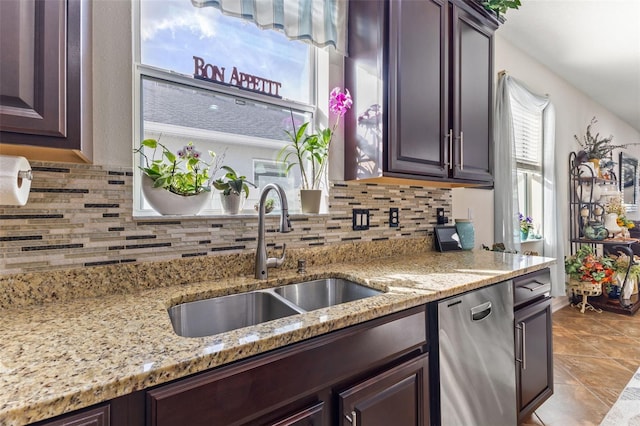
<point>310,200</point>
<point>232,203</point>
<point>167,203</point>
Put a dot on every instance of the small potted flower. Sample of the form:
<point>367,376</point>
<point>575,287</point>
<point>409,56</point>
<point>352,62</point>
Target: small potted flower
<point>310,152</point>
<point>526,225</point>
<point>235,190</point>
<point>176,184</point>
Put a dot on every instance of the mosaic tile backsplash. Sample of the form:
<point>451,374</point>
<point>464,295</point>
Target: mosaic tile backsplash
<point>81,216</point>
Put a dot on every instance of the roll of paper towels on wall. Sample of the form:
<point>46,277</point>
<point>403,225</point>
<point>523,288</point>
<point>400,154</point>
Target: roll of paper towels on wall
<point>15,180</point>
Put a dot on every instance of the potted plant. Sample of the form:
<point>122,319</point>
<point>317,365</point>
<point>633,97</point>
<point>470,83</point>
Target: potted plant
<point>526,225</point>
<point>589,269</point>
<point>621,266</point>
<point>310,152</point>
<point>594,148</point>
<point>501,6</point>
<point>176,183</point>
<point>235,190</point>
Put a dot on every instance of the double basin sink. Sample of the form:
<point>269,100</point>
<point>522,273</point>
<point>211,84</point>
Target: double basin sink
<point>220,314</point>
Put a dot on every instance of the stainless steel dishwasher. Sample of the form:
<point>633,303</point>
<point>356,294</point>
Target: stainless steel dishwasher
<point>476,357</point>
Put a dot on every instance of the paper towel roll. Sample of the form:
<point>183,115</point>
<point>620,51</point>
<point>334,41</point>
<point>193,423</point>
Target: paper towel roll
<point>15,180</point>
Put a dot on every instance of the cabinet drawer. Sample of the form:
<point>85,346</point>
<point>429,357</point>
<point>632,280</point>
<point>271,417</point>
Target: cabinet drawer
<point>254,390</point>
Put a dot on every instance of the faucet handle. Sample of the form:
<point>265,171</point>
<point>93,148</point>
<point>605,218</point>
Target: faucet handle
<point>277,261</point>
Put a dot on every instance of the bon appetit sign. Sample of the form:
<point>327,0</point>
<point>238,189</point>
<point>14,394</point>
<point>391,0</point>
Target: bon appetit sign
<point>253,83</point>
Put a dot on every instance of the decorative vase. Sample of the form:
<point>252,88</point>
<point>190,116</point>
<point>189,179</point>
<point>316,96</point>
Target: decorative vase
<point>595,231</point>
<point>466,233</point>
<point>524,235</point>
<point>588,193</point>
<point>596,166</point>
<point>310,200</point>
<point>587,170</point>
<point>167,203</point>
<point>611,223</point>
<point>232,203</point>
<point>613,291</point>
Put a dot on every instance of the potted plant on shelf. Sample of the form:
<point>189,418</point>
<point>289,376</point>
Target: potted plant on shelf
<point>310,152</point>
<point>588,273</point>
<point>526,225</point>
<point>235,190</point>
<point>178,183</point>
<point>501,6</point>
<point>594,149</point>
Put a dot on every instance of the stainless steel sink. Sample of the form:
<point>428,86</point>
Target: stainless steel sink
<point>219,314</point>
<point>326,292</point>
<point>226,313</point>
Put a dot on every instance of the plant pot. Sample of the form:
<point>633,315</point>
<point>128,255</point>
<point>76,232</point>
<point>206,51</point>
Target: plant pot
<point>232,203</point>
<point>310,200</point>
<point>167,203</point>
<point>524,235</point>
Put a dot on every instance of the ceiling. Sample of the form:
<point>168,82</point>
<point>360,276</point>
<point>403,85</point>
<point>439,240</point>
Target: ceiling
<point>593,44</point>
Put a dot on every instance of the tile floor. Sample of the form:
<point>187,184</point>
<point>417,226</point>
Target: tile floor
<point>595,356</point>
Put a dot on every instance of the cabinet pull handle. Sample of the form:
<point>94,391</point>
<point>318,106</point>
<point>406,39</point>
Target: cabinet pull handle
<point>523,345</point>
<point>451,160</point>
<point>461,150</point>
<point>352,419</point>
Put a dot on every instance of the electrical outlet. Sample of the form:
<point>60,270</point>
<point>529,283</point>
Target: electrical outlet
<point>360,219</point>
<point>394,217</point>
<point>442,219</point>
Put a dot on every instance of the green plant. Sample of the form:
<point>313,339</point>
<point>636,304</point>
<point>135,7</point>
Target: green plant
<point>231,183</point>
<point>526,223</point>
<point>593,147</point>
<point>183,173</point>
<point>501,6</point>
<point>622,263</point>
<point>585,265</point>
<point>310,152</point>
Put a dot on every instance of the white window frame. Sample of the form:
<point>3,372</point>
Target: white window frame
<point>319,69</point>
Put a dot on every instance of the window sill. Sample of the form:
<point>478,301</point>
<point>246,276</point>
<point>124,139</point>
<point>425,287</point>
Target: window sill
<point>531,240</point>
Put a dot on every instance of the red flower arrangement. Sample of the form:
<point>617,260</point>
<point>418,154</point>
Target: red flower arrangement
<point>587,266</point>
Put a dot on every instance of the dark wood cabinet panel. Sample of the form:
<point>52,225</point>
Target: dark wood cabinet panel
<point>472,93</point>
<point>396,397</point>
<point>272,386</point>
<point>534,371</point>
<point>423,109</point>
<point>93,417</point>
<point>44,63</point>
<point>417,88</point>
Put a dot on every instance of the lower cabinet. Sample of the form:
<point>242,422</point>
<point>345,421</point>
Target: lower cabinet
<point>398,396</point>
<point>368,369</point>
<point>534,352</point>
<point>98,416</point>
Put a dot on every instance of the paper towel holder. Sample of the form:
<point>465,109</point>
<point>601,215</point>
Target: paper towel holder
<point>25,174</point>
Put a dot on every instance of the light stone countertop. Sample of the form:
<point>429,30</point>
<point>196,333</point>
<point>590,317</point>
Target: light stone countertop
<point>62,356</point>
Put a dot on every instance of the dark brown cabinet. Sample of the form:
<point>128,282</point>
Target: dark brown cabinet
<point>534,353</point>
<point>395,397</point>
<point>44,64</point>
<point>98,416</point>
<point>421,75</point>
<point>297,385</point>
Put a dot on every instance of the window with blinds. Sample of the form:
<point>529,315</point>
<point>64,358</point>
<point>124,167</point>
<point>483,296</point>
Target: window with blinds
<point>527,129</point>
<point>527,132</point>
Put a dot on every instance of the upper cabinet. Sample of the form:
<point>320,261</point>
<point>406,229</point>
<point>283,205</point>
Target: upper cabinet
<point>45,62</point>
<point>421,75</point>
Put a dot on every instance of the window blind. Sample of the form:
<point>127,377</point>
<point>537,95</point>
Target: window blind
<point>527,132</point>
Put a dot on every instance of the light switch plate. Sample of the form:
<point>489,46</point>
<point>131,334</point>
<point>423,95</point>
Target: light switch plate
<point>360,219</point>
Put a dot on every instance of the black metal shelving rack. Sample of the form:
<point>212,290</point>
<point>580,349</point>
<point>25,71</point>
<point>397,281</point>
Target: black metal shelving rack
<point>581,198</point>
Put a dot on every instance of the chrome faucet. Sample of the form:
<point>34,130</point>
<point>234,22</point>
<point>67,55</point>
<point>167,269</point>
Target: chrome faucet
<point>263,263</point>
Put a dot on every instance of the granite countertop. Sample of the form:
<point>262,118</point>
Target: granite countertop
<point>62,356</point>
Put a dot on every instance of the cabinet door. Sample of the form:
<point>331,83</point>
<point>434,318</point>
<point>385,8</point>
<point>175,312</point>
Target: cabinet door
<point>472,97</point>
<point>94,417</point>
<point>417,91</point>
<point>399,397</point>
<point>40,72</point>
<point>534,354</point>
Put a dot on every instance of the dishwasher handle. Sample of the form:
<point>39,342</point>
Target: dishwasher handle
<point>480,312</point>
